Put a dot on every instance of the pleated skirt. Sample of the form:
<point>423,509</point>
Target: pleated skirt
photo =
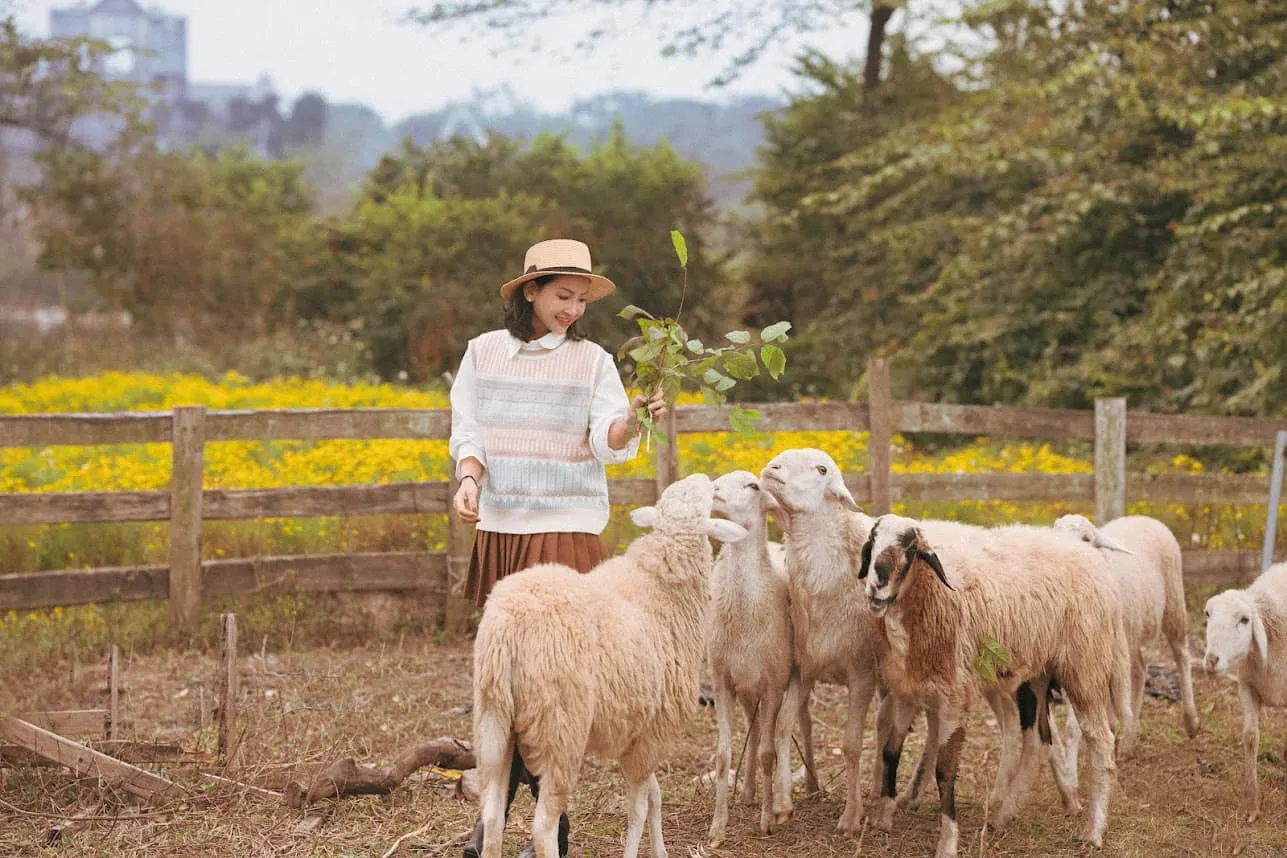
<point>496,555</point>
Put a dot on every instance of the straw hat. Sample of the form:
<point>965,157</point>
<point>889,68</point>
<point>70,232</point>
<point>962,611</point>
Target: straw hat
<point>559,256</point>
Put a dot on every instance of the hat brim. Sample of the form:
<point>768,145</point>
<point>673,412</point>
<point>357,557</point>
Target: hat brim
<point>600,287</point>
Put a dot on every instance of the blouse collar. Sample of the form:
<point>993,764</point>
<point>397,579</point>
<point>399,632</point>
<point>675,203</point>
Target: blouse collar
<point>549,342</point>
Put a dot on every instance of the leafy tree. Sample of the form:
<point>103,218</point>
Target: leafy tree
<point>306,124</point>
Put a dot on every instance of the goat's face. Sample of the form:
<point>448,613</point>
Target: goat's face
<point>738,498</point>
<point>685,508</point>
<point>1234,628</point>
<point>893,546</point>
<point>805,480</point>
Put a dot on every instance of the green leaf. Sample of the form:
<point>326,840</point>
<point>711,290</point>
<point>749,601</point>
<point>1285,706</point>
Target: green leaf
<point>741,365</point>
<point>742,420</point>
<point>647,353</point>
<point>775,332</point>
<point>739,337</point>
<point>711,396</point>
<point>681,247</point>
<point>630,311</point>
<point>695,346</point>
<point>774,360</point>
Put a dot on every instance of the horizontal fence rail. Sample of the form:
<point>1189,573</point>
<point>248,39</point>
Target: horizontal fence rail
<point>187,579</point>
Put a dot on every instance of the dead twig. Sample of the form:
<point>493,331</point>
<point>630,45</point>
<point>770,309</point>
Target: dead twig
<point>346,777</point>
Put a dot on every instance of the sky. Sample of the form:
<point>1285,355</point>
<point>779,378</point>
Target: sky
<point>359,51</point>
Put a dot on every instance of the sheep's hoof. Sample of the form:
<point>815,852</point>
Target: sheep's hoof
<point>1093,838</point>
<point>1192,724</point>
<point>1253,816</point>
<point>1072,806</point>
<point>882,819</point>
<point>850,822</point>
<point>766,822</point>
<point>716,841</point>
<point>782,817</point>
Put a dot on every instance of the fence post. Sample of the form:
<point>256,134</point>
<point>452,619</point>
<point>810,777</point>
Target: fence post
<point>880,409</point>
<point>460,542</point>
<point>187,440</point>
<point>114,692</point>
<point>229,689</point>
<point>1110,459</point>
<point>1275,495</point>
<point>667,453</point>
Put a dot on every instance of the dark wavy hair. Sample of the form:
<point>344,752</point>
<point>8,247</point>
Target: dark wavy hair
<point>518,313</point>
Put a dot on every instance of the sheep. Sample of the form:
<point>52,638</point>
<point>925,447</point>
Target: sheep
<point>1247,635</point>
<point>1146,560</point>
<point>1015,586</point>
<point>607,663</point>
<point>835,639</point>
<point>749,646</point>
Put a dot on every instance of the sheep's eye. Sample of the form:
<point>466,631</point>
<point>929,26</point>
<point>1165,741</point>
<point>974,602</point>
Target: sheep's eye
<point>1243,621</point>
<point>755,487</point>
<point>822,469</point>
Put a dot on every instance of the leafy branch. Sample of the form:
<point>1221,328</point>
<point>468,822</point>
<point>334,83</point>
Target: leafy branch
<point>666,358</point>
<point>993,659</point>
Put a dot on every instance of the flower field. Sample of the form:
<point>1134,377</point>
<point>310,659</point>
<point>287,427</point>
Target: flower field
<point>244,465</point>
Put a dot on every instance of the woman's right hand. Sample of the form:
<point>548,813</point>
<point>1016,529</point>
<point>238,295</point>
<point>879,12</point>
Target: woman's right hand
<point>466,500</point>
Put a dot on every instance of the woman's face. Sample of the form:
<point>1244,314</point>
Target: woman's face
<point>557,304</point>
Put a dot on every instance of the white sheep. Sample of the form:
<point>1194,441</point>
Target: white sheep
<point>749,647</point>
<point>1042,599</point>
<point>1247,634</point>
<point>608,664</point>
<point>836,638</point>
<point>1146,560</point>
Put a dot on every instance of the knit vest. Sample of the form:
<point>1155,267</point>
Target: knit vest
<point>534,411</point>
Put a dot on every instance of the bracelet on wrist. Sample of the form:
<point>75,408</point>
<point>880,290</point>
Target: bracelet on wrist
<point>471,477</point>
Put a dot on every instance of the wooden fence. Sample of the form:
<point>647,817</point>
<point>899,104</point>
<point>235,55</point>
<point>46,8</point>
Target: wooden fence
<point>186,580</point>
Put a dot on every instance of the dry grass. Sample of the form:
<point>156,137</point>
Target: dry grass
<point>302,710</point>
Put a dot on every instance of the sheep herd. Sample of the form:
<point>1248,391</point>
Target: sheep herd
<point>913,616</point>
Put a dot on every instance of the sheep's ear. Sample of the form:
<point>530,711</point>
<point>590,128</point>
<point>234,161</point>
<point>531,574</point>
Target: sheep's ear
<point>838,490</point>
<point>1102,541</point>
<point>644,516</point>
<point>932,559</point>
<point>1259,639</point>
<point>724,530</point>
<point>866,553</point>
<point>770,506</point>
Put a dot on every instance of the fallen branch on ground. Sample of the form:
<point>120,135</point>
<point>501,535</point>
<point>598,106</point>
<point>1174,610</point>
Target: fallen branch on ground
<point>346,777</point>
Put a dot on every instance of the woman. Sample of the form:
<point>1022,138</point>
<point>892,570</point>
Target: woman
<point>537,411</point>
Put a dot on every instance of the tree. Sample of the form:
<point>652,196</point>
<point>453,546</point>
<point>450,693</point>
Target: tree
<point>306,125</point>
<point>742,31</point>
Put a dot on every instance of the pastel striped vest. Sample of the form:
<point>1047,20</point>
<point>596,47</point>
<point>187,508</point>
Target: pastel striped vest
<point>534,410</point>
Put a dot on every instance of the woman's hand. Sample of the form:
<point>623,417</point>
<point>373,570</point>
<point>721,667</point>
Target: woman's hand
<point>466,500</point>
<point>656,405</point>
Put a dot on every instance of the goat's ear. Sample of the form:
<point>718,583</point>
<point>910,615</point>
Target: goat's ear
<point>1259,639</point>
<point>931,558</point>
<point>837,489</point>
<point>724,530</point>
<point>644,516</point>
<point>866,554</point>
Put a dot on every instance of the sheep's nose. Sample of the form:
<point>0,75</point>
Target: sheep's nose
<point>774,467</point>
<point>1212,660</point>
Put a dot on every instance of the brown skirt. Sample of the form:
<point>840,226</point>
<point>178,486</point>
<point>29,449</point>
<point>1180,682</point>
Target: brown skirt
<point>499,554</point>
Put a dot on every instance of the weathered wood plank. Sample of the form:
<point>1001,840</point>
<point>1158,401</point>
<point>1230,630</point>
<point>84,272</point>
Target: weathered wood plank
<point>632,491</point>
<point>52,430</point>
<point>1250,489</point>
<point>87,761</point>
<point>926,488</point>
<point>997,420</point>
<point>72,722</point>
<point>1223,568</point>
<point>237,577</point>
<point>28,591</point>
<point>186,475</point>
<point>1110,458</point>
<point>77,507</point>
<point>1144,427</point>
<point>315,424</point>
<point>666,453</point>
<point>880,404</point>
<point>229,684</point>
<point>779,417</point>
<point>428,498</point>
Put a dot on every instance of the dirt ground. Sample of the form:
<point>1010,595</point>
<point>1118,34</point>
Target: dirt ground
<point>302,710</point>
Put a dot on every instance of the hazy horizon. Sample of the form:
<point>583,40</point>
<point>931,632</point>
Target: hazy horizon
<point>361,52</point>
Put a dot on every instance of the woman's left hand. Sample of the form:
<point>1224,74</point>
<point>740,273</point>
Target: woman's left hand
<point>656,405</point>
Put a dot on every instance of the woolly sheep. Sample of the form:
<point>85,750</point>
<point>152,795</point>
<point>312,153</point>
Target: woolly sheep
<point>749,646</point>
<point>1247,635</point>
<point>836,638</point>
<point>607,663</point>
<point>1146,560</point>
<point>1044,597</point>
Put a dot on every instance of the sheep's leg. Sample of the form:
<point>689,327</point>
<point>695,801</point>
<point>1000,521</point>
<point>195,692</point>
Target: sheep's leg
<point>884,728</point>
<point>725,704</point>
<point>1072,747</point>
<point>1251,747</point>
<point>1034,737</point>
<point>860,691</point>
<point>766,740</point>
<point>637,807</point>
<point>804,720</point>
<point>1065,781</point>
<point>1099,746</point>
<point>654,817</point>
<point>499,765</point>
<point>750,751</point>
<point>1126,739</point>
<point>549,837</point>
<point>946,763</point>
<point>1180,652</point>
<point>901,715</point>
<point>782,804</point>
<point>920,778</point>
<point>1007,713</point>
